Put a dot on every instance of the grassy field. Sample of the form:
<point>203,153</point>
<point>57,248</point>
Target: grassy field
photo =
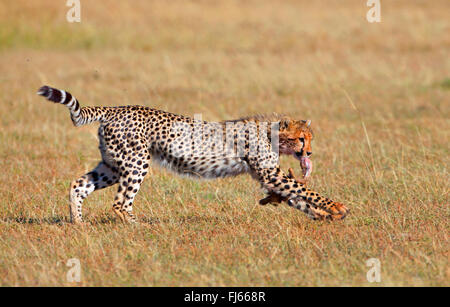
<point>378,95</point>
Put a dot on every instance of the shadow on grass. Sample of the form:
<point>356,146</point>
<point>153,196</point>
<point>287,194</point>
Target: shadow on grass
<point>108,219</point>
<point>192,219</point>
<point>53,220</point>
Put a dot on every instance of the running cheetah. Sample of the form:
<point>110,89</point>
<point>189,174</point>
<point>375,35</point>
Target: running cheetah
<point>130,136</point>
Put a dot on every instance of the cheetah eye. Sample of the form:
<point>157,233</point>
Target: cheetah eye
<point>302,140</point>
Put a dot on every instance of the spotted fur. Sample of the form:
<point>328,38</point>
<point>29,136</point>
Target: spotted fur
<point>130,136</point>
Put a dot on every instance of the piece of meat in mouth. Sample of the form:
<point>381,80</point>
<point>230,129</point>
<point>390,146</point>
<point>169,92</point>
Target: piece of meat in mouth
<point>306,166</point>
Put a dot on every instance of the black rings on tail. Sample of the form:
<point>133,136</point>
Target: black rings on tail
<point>80,116</point>
<point>65,98</point>
<point>55,95</point>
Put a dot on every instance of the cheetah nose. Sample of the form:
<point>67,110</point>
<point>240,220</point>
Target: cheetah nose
<point>298,154</point>
<point>309,153</point>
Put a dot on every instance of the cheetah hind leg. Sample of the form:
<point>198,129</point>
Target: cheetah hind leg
<point>129,184</point>
<point>101,177</point>
<point>119,207</point>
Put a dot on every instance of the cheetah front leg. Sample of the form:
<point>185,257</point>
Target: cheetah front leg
<point>336,211</point>
<point>299,196</point>
<point>274,198</point>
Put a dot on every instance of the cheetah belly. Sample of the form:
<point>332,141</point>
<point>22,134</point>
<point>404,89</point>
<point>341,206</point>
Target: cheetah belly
<point>226,167</point>
<point>207,167</point>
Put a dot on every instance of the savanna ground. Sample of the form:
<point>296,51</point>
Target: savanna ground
<point>378,96</point>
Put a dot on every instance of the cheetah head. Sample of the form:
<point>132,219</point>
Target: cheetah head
<point>295,138</point>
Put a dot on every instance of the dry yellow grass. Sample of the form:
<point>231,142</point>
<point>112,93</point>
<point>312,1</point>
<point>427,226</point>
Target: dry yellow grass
<point>378,96</point>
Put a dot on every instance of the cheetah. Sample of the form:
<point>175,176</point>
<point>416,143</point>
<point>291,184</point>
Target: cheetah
<point>131,136</point>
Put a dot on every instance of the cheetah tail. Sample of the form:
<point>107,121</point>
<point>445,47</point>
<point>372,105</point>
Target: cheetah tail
<point>79,115</point>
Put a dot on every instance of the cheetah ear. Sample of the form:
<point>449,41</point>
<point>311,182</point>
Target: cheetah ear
<point>284,123</point>
<point>308,123</point>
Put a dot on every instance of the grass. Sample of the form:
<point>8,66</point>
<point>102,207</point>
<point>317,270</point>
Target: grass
<point>377,94</point>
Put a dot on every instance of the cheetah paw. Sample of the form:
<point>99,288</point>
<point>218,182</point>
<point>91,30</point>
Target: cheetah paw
<point>337,211</point>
